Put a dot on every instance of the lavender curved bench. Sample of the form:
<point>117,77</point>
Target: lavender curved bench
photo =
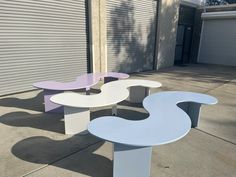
<point>133,140</point>
<point>76,106</point>
<point>84,81</point>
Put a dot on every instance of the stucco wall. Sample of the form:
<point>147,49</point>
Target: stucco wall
<point>103,32</point>
<point>168,14</point>
<point>167,28</point>
<point>98,35</point>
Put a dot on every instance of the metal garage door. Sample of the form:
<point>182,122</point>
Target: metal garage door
<point>131,27</point>
<point>218,39</point>
<point>41,40</point>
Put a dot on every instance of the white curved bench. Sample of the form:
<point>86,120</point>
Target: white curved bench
<point>76,106</point>
<point>84,81</point>
<point>133,140</point>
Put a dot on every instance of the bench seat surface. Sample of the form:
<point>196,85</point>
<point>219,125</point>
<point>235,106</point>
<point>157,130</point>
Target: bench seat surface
<point>83,81</point>
<point>111,93</point>
<point>166,123</point>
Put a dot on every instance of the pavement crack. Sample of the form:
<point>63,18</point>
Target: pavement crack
<point>225,82</point>
<point>215,136</point>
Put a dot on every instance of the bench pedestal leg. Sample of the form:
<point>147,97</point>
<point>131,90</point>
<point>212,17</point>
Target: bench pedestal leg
<point>87,91</point>
<point>193,110</point>
<point>137,94</point>
<point>50,106</point>
<point>131,161</point>
<point>109,79</point>
<point>76,119</point>
<point>114,110</point>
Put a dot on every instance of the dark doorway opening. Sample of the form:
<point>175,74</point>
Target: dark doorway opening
<point>184,34</point>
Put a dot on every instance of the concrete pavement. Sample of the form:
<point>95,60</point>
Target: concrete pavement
<point>33,144</point>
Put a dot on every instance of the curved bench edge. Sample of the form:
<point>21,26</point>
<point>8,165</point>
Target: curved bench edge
<point>119,125</point>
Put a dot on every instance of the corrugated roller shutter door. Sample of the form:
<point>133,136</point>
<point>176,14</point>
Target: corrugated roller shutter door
<point>218,42</point>
<point>131,35</point>
<point>41,40</point>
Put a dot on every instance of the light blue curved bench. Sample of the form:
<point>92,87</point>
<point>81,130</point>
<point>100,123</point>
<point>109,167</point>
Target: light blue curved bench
<point>133,140</point>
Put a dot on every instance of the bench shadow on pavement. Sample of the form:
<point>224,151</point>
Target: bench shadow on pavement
<point>43,121</point>
<point>35,103</point>
<point>122,113</point>
<point>55,123</point>
<point>43,150</point>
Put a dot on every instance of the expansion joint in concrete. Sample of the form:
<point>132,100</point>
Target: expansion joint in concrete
<point>215,136</point>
